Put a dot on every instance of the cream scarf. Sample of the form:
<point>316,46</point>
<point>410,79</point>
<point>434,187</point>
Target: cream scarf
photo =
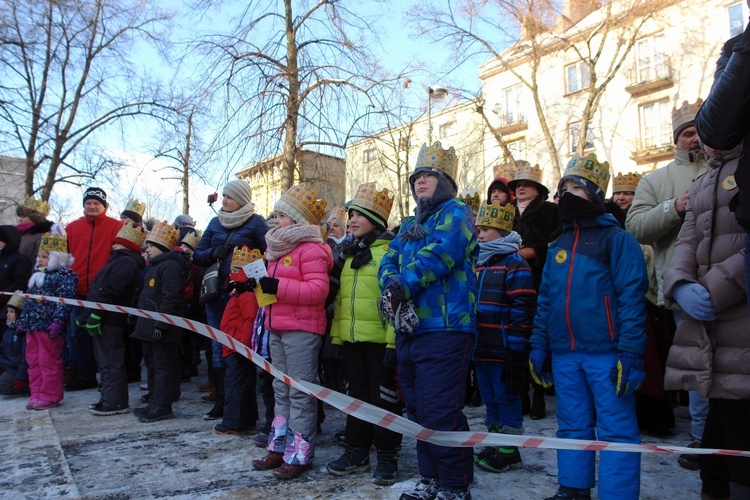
<point>282,240</point>
<point>231,220</point>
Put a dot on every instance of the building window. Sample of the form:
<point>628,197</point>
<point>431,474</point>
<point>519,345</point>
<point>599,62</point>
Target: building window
<point>651,63</point>
<point>448,129</point>
<point>575,135</point>
<point>736,19</point>
<point>577,77</point>
<point>514,109</point>
<point>517,150</point>
<point>370,155</point>
<point>656,125</point>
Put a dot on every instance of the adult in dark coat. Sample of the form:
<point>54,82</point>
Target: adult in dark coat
<point>33,223</point>
<point>15,267</point>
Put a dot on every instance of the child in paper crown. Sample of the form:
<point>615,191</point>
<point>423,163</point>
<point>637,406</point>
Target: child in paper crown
<point>240,405</point>
<point>114,284</point>
<point>298,267</point>
<point>590,322</point>
<point>14,372</point>
<point>506,300</point>
<point>44,321</point>
<point>369,344</point>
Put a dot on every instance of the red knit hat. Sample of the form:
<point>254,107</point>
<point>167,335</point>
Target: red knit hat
<point>131,236</point>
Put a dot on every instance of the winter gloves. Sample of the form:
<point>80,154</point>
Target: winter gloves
<point>628,373</point>
<point>55,330</point>
<point>269,285</point>
<point>158,335</point>
<point>241,286</point>
<point>219,253</point>
<point>395,288</point>
<point>540,365</point>
<point>94,325</point>
<point>695,300</point>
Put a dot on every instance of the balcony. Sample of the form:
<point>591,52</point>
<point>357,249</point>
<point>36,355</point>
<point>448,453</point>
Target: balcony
<point>646,79</point>
<point>511,122</point>
<point>653,153</point>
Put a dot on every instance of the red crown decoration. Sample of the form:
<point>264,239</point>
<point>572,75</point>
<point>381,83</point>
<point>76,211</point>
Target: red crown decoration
<point>590,169</point>
<point>164,234</point>
<point>437,158</point>
<point>626,182</point>
<point>243,256</point>
<point>473,201</point>
<point>302,199</point>
<point>369,199</point>
<point>496,215</point>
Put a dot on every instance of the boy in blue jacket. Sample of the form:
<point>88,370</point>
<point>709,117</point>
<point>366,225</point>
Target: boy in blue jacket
<point>590,323</point>
<point>14,372</point>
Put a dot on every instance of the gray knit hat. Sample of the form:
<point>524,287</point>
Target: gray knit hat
<point>239,191</point>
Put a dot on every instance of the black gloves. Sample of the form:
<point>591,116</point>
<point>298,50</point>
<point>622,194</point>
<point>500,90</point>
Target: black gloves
<point>242,286</point>
<point>269,285</point>
<point>158,334</point>
<point>396,290</point>
<point>219,253</point>
<point>94,325</point>
<point>390,360</point>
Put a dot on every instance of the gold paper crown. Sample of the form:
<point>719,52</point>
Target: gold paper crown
<point>244,256</point>
<point>323,230</point>
<point>473,201</point>
<point>685,113</point>
<point>626,182</point>
<point>497,216</point>
<point>40,206</point>
<point>192,239</point>
<point>303,200</point>
<point>525,172</point>
<point>133,233</point>
<point>437,158</point>
<point>17,300</point>
<point>164,234</point>
<point>54,243</point>
<point>339,212</point>
<point>136,206</point>
<point>590,169</point>
<point>373,202</point>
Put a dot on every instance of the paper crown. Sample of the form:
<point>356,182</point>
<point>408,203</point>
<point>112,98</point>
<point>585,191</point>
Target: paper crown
<point>626,182</point>
<point>373,203</point>
<point>525,172</point>
<point>437,158</point>
<point>54,243</point>
<point>40,206</point>
<point>302,201</point>
<point>497,216</point>
<point>135,206</point>
<point>192,239</point>
<point>589,168</point>
<point>165,234</point>
<point>243,256</point>
<point>684,116</point>
<point>340,212</point>
<point>131,236</point>
<point>473,201</point>
<point>17,300</point>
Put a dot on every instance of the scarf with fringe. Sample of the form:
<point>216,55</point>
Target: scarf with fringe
<point>282,240</point>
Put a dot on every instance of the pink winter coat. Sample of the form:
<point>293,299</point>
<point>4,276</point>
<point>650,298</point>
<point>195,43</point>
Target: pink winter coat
<point>303,288</point>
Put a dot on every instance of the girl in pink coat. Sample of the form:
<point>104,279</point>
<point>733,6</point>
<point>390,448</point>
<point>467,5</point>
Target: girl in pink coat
<point>298,267</point>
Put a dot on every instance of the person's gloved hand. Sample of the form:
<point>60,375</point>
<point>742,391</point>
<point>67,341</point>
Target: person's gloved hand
<point>83,318</point>
<point>517,344</point>
<point>242,286</point>
<point>94,325</point>
<point>269,285</point>
<point>20,385</point>
<point>158,334</point>
<point>695,300</point>
<point>55,330</point>
<point>395,288</point>
<point>390,360</point>
<point>219,253</point>
<point>540,365</point>
<point>628,373</point>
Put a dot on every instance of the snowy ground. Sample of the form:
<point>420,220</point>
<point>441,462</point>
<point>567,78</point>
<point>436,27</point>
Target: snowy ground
<point>67,452</point>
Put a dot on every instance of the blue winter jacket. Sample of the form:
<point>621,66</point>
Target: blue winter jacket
<point>13,354</point>
<point>437,271</point>
<point>251,234</point>
<point>39,315</point>
<point>593,290</point>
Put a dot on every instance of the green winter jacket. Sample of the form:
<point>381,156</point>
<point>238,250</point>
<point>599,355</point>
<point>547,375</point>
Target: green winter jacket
<point>356,317</point>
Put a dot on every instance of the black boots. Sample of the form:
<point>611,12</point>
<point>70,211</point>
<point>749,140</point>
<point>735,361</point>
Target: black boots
<point>217,411</point>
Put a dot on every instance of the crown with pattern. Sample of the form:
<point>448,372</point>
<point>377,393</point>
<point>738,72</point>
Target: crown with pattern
<point>626,182</point>
<point>300,204</point>
<point>164,234</point>
<point>436,158</point>
<point>54,243</point>
<point>473,200</point>
<point>496,215</point>
<point>684,116</point>
<point>192,239</point>
<point>17,300</point>
<point>340,212</point>
<point>41,206</point>
<point>374,204</point>
<point>589,168</point>
<point>242,256</point>
<point>131,236</point>
<point>525,172</point>
<point>135,206</point>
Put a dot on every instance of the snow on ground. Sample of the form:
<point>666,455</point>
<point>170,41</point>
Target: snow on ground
<point>67,452</point>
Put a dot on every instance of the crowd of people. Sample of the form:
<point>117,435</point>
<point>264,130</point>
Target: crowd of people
<point>614,305</point>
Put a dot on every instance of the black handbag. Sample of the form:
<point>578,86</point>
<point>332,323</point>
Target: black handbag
<point>210,284</point>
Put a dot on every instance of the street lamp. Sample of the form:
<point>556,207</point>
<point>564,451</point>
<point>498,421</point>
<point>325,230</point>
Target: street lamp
<point>439,94</point>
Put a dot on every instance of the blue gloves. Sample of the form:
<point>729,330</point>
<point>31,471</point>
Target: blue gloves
<point>540,365</point>
<point>628,373</point>
<point>695,300</point>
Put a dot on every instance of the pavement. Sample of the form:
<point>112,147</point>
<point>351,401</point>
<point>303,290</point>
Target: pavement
<point>66,452</point>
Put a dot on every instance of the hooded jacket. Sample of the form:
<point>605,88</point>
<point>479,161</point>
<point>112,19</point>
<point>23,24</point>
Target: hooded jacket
<point>238,319</point>
<point>90,241</point>
<point>116,284</point>
<point>13,354</point>
<point>59,280</point>
<point>15,268</point>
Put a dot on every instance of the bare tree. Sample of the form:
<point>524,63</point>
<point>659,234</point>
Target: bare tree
<point>524,33</point>
<point>67,74</point>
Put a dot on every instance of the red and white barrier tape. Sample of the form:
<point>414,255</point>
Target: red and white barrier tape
<point>378,416</point>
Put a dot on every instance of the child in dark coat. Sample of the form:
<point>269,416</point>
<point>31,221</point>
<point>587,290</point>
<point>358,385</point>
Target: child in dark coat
<point>164,292</point>
<point>14,375</point>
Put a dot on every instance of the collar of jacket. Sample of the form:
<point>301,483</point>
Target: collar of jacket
<point>97,219</point>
